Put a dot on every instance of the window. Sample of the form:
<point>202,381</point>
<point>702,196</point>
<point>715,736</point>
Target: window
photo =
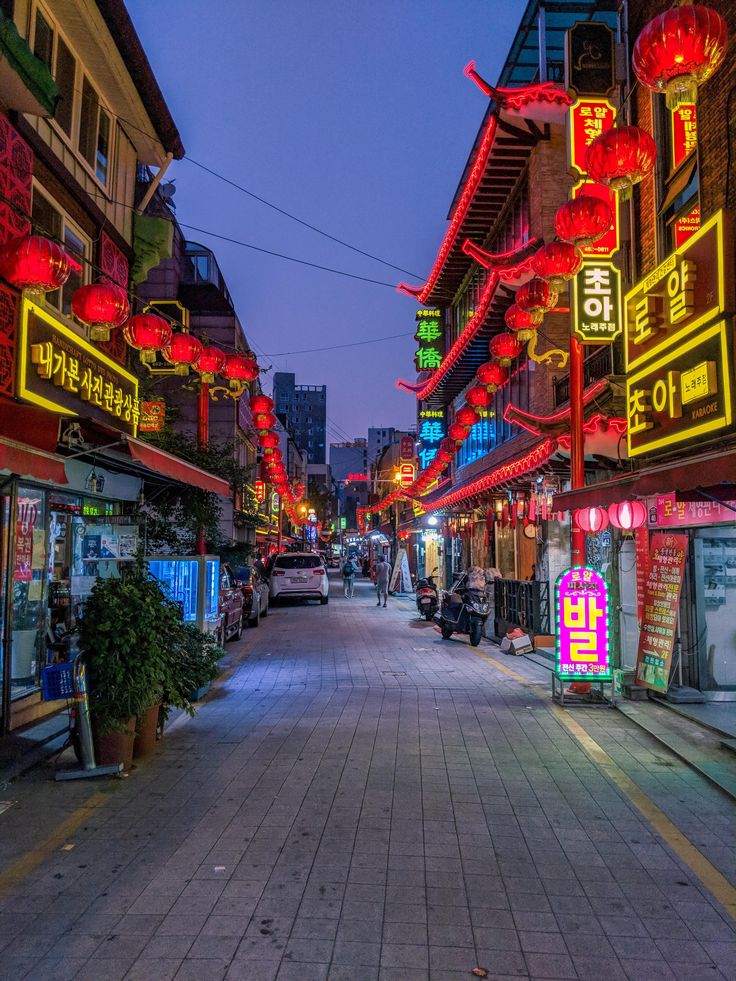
<point>679,185</point>
<point>53,52</point>
<point>49,219</point>
<point>94,132</point>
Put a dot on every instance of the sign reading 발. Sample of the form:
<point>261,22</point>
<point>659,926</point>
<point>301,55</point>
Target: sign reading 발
<point>661,602</point>
<point>582,626</point>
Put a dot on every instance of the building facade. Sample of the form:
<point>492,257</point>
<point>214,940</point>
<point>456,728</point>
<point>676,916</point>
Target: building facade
<point>303,409</point>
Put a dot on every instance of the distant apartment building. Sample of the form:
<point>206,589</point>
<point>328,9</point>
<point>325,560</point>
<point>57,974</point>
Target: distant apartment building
<point>348,458</point>
<point>378,440</point>
<point>303,409</point>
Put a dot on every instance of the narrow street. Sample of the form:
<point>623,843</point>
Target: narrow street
<point>359,800</point>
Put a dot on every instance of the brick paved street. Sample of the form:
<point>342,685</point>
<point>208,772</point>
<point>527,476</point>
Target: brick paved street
<point>359,800</point>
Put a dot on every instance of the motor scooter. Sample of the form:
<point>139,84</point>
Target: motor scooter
<point>463,611</point>
<point>427,598</point>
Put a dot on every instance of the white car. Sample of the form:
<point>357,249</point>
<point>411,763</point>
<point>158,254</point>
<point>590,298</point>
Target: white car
<point>299,574</point>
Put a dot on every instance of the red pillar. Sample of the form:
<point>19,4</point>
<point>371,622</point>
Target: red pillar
<point>577,440</point>
<point>203,438</point>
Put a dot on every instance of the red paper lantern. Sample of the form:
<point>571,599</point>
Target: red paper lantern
<point>210,362</point>
<point>582,221</point>
<point>679,50</point>
<point>182,352</point>
<point>627,515</point>
<point>458,432</point>
<point>591,519</point>
<point>101,307</point>
<point>621,157</point>
<point>35,264</point>
<point>478,396</point>
<point>268,440</point>
<point>504,348</point>
<point>240,368</point>
<point>467,416</point>
<point>445,456</point>
<point>447,448</point>
<point>261,403</point>
<point>522,323</point>
<point>492,375</point>
<point>264,420</point>
<point>536,297</point>
<point>557,262</point>
<point>273,453</point>
<point>147,333</point>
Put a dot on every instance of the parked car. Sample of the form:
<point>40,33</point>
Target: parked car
<point>255,594</point>
<point>299,574</point>
<point>231,602</point>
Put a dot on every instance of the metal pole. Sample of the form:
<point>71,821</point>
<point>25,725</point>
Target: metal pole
<point>577,440</point>
<point>280,534</point>
<point>203,438</point>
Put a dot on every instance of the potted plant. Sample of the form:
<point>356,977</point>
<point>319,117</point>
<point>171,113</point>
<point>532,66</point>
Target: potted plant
<point>194,666</point>
<point>127,636</point>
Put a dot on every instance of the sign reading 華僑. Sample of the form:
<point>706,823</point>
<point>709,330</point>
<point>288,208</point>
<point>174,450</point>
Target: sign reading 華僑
<point>431,430</point>
<point>581,608</point>
<point>430,335</point>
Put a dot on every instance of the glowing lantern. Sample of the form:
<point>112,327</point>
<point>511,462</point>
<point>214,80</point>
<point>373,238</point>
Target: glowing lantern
<point>263,421</point>
<point>521,322</point>
<point>478,396</point>
<point>447,449</point>
<point>679,50</point>
<point>35,264</point>
<point>239,368</point>
<point>267,440</point>
<point>558,263</point>
<point>148,333</point>
<point>627,515</point>
<point>273,453</point>
<point>101,307</point>
<point>261,403</point>
<point>467,416</point>
<point>591,520</point>
<point>536,297</point>
<point>182,352</point>
<point>504,348</point>
<point>492,375</point>
<point>582,221</point>
<point>621,157</point>
<point>210,362</point>
<point>458,432</point>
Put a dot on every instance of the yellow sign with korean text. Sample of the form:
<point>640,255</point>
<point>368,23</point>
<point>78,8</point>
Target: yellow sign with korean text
<point>63,372</point>
<point>597,303</point>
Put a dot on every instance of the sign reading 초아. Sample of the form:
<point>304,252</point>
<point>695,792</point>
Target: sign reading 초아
<point>597,299</point>
<point>661,603</point>
<point>581,607</point>
<point>589,62</point>
<point>430,335</point>
<point>343,522</point>
<point>63,372</point>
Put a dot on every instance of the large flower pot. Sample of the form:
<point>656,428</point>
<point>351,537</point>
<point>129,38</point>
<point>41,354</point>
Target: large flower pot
<point>115,746</point>
<point>145,740</point>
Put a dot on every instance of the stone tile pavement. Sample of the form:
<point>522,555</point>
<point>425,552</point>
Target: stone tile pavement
<point>361,801</point>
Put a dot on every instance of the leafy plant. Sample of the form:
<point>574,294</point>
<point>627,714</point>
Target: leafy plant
<point>194,664</point>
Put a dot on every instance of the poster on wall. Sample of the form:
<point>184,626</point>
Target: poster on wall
<point>23,552</point>
<point>661,602</point>
<point>582,652</point>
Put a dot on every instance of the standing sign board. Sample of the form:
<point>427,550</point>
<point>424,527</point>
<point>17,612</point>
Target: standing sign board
<point>581,607</point>
<point>661,603</point>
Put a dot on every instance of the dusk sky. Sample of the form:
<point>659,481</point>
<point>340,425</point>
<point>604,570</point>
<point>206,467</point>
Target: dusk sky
<point>357,118</point>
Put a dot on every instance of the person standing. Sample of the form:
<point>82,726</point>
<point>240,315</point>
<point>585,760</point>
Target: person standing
<point>382,571</point>
<point>348,577</point>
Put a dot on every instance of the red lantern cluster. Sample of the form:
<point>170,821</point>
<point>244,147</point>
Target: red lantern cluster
<point>583,220</point>
<point>621,157</point>
<point>522,323</point>
<point>557,262</point>
<point>101,307</point>
<point>679,50</point>
<point>504,348</point>
<point>537,297</point>
<point>239,368</point>
<point>148,333</point>
<point>35,264</point>
<point>182,352</point>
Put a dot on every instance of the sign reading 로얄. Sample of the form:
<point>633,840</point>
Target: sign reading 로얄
<point>661,603</point>
<point>581,608</point>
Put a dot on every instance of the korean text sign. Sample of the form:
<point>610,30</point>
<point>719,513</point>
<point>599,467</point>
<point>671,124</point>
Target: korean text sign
<point>661,602</point>
<point>581,607</point>
<point>597,302</point>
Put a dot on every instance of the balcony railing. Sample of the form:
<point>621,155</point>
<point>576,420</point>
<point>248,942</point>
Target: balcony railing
<point>522,603</point>
<point>597,365</point>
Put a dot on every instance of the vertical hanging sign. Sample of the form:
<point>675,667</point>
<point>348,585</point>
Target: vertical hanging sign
<point>581,606</point>
<point>430,336</point>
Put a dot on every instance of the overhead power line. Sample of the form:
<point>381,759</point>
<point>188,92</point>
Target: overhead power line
<point>335,347</point>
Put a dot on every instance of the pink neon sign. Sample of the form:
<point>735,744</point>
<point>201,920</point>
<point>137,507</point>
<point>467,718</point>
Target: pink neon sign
<point>581,609</point>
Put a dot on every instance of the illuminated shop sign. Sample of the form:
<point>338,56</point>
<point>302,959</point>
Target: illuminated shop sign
<point>605,247</point>
<point>684,393</point>
<point>259,487</point>
<point>582,651</point>
<point>406,449</point>
<point>597,302</point>
<point>687,226</point>
<point>689,289</point>
<point>588,118</point>
<point>431,430</point>
<point>356,477</point>
<point>684,132</point>
<point>152,417</point>
<point>62,372</point>
<point>430,335</point>
<point>407,474</point>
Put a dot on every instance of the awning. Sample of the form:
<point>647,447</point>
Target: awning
<point>174,467</point>
<point>705,470</point>
<point>27,462</point>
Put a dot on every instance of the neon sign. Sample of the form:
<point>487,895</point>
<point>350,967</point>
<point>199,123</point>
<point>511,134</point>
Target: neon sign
<point>430,335</point>
<point>597,301</point>
<point>588,118</point>
<point>431,430</point>
<point>581,608</point>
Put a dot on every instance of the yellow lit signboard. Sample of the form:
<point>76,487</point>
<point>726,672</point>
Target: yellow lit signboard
<point>597,303</point>
<point>63,372</point>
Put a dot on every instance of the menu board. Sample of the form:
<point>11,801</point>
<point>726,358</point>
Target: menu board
<point>582,626</point>
<point>641,544</point>
<point>661,603</point>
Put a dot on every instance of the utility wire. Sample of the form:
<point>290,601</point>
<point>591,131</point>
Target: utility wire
<point>335,347</point>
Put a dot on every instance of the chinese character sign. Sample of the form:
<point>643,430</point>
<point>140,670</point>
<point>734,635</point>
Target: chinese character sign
<point>430,336</point>
<point>661,604</point>
<point>431,430</point>
<point>597,299</point>
<point>260,489</point>
<point>582,626</point>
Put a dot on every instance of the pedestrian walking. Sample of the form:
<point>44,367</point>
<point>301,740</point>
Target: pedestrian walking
<point>382,571</point>
<point>348,578</point>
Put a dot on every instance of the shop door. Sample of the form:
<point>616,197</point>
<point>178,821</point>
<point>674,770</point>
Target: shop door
<point>712,644</point>
<point>628,608</point>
